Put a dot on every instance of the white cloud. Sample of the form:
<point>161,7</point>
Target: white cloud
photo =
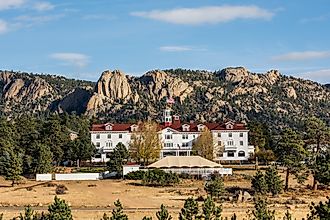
<point>175,48</point>
<point>206,15</point>
<point>322,76</point>
<point>25,21</point>
<point>3,27</point>
<point>75,59</point>
<point>303,55</point>
<point>8,4</point>
<point>43,6</point>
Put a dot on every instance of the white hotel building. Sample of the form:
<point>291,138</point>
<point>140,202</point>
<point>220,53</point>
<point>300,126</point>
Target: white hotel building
<point>230,139</point>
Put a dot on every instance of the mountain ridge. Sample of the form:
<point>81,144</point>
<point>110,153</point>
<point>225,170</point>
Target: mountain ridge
<point>231,93</point>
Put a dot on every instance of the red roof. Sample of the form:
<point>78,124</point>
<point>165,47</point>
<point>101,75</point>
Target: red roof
<point>176,125</point>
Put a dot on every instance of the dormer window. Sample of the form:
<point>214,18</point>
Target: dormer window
<point>229,125</point>
<point>200,127</point>
<point>108,127</point>
<point>185,127</point>
<point>176,117</point>
<point>134,128</point>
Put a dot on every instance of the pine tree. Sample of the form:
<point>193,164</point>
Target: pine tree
<point>163,214</point>
<point>118,158</point>
<point>273,181</point>
<point>259,183</point>
<point>320,211</point>
<point>59,209</point>
<point>118,212</point>
<point>29,214</point>
<point>291,152</point>
<point>215,187</point>
<point>318,135</point>
<point>210,210</point>
<point>42,159</point>
<point>261,211</point>
<point>12,165</point>
<point>322,168</point>
<point>189,210</point>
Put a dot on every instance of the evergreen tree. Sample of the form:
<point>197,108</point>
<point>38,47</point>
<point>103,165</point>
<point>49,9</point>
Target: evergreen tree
<point>273,181</point>
<point>189,210</point>
<point>322,168</point>
<point>259,183</point>
<point>118,212</point>
<point>290,151</point>
<point>261,211</point>
<point>210,210</point>
<point>29,214</point>
<point>215,187</point>
<point>11,165</point>
<point>163,214</point>
<point>118,158</point>
<point>147,218</point>
<point>317,136</point>
<point>42,160</point>
<point>320,211</point>
<point>59,210</point>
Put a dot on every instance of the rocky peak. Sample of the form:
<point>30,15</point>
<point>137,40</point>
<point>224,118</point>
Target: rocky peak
<point>272,76</point>
<point>234,74</point>
<point>113,85</point>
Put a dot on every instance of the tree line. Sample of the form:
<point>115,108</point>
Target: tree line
<point>30,145</point>
<point>191,210</point>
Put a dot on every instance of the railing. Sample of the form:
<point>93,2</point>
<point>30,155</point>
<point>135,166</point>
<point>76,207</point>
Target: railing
<point>200,171</point>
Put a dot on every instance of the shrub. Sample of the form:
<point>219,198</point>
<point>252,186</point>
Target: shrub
<point>135,175</point>
<point>259,183</point>
<point>157,177</point>
<point>215,187</point>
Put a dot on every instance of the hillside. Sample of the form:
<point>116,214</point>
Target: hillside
<point>232,93</point>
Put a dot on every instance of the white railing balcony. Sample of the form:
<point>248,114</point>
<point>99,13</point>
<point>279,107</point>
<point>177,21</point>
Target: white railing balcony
<point>230,148</point>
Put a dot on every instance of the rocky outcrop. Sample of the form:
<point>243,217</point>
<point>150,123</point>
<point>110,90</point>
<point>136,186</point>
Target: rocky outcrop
<point>21,90</point>
<point>234,74</point>
<point>159,85</point>
<point>113,85</point>
<point>76,101</point>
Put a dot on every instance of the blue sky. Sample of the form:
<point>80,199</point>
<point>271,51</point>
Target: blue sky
<point>81,38</point>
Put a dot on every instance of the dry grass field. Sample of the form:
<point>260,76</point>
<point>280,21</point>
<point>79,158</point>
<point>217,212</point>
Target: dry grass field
<point>90,199</point>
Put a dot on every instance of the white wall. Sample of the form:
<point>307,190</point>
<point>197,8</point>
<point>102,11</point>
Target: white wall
<point>77,176</point>
<point>127,169</point>
<point>44,177</point>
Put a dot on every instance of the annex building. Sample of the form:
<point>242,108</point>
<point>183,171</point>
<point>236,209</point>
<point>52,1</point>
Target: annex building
<point>230,138</point>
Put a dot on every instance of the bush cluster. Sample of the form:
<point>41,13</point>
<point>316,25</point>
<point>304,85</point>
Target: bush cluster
<point>158,177</point>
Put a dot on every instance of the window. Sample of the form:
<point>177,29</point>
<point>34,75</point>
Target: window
<point>109,136</point>
<point>120,135</point>
<point>185,127</point>
<point>185,136</point>
<point>97,136</point>
<point>97,144</point>
<point>108,127</point>
<point>219,143</point>
<point>168,136</point>
<point>108,144</point>
<point>230,143</point>
<point>97,156</point>
<point>230,135</point>
<point>241,154</point>
<point>241,143</point>
<point>231,153</point>
<point>185,144</point>
<point>241,134</point>
<point>167,145</point>
<point>219,135</point>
